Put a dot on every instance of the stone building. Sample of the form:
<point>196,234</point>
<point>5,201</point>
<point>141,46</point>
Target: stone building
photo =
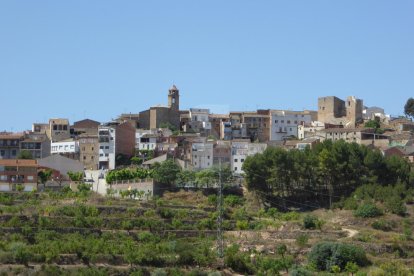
<point>333,110</point>
<point>86,126</point>
<point>59,129</point>
<point>156,115</point>
<point>89,151</point>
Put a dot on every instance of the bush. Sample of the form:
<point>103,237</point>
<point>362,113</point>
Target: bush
<point>238,261</point>
<point>311,222</point>
<point>396,206</point>
<point>325,255</point>
<point>302,240</point>
<point>368,210</point>
<point>233,200</point>
<point>383,225</point>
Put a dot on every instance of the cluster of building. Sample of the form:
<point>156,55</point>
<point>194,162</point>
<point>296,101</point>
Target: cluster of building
<point>195,138</point>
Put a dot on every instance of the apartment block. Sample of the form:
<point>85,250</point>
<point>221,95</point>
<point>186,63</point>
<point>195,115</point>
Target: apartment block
<point>18,171</point>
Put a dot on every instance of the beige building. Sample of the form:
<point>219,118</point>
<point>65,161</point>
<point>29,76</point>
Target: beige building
<point>333,110</point>
<point>357,135</point>
<point>59,129</point>
<point>155,116</point>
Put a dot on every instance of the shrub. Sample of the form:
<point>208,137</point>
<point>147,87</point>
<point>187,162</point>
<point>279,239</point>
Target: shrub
<point>238,261</point>
<point>302,240</point>
<point>396,206</point>
<point>233,200</point>
<point>368,210</point>
<point>383,225</point>
<point>311,222</point>
<point>325,255</point>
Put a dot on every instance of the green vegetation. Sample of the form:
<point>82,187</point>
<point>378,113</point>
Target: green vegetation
<point>128,174</point>
<point>24,154</point>
<point>327,255</point>
<point>75,176</point>
<point>317,177</point>
<point>409,108</point>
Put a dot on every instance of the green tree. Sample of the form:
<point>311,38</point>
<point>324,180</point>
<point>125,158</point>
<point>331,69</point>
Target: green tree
<point>44,175</point>
<point>136,160</point>
<point>75,176</point>
<point>166,172</point>
<point>25,154</point>
<point>409,108</point>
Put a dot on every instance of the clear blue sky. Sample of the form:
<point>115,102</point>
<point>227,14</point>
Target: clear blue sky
<point>96,59</point>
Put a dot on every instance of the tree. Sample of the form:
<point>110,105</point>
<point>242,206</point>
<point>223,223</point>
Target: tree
<point>166,172</point>
<point>169,126</point>
<point>44,176</point>
<point>75,176</point>
<point>409,108</point>
<point>25,154</point>
<point>136,160</point>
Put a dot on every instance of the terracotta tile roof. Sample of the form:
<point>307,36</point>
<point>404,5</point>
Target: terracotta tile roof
<point>18,162</point>
<point>11,135</point>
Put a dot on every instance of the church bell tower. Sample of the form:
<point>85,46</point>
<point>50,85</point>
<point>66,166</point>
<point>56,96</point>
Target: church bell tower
<point>174,98</point>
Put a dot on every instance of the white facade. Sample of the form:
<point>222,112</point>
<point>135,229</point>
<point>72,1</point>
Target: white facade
<point>106,147</point>
<point>309,130</point>
<point>285,124</point>
<point>240,150</point>
<point>202,155</point>
<point>64,147</point>
<point>199,114</point>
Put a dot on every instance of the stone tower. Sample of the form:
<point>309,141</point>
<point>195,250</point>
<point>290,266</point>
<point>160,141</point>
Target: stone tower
<point>354,109</point>
<point>174,98</point>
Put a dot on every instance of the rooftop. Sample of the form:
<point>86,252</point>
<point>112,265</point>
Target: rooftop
<point>18,162</point>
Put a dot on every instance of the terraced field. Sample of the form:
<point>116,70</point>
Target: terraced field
<point>81,233</point>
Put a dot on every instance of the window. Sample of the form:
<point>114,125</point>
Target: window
<point>3,177</point>
<point>101,147</point>
<point>84,157</point>
<point>29,177</point>
<point>290,129</point>
<point>13,152</point>
<point>283,121</point>
<point>92,148</point>
<point>242,160</point>
<point>65,127</point>
<point>208,157</point>
<point>54,127</point>
<point>276,121</point>
<point>235,160</point>
<point>235,168</point>
<point>296,122</point>
<point>288,121</point>
<point>106,147</point>
<point>106,154</point>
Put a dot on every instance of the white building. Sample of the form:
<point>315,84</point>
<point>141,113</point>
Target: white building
<point>240,150</point>
<point>199,114</point>
<point>202,155</point>
<point>284,124</point>
<point>309,130</point>
<point>63,147</point>
<point>106,147</point>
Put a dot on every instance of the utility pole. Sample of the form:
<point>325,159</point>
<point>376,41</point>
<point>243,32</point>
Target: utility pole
<point>220,239</point>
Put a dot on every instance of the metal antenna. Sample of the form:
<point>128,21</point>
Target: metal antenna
<point>220,239</point>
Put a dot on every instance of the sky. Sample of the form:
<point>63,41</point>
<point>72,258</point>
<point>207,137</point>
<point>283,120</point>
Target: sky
<point>97,59</point>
